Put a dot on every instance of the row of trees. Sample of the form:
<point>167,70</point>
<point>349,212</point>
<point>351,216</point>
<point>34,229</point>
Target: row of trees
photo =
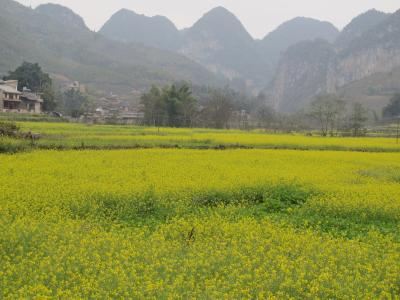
<point>169,106</point>
<point>331,114</point>
<point>182,105</point>
<point>176,106</point>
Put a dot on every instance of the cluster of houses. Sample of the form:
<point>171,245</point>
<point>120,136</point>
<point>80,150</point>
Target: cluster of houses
<point>12,100</point>
<point>112,109</point>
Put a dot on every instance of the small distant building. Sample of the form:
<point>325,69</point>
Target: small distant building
<point>240,119</point>
<point>77,86</point>
<point>12,100</point>
<point>132,117</point>
<point>100,111</point>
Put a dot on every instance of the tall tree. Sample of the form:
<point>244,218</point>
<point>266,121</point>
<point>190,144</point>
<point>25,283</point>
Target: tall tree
<point>74,103</point>
<point>266,116</point>
<point>49,99</point>
<point>153,107</point>
<point>392,110</point>
<point>174,106</point>
<point>31,76</point>
<point>328,110</point>
<point>181,105</point>
<point>219,107</point>
<point>357,119</point>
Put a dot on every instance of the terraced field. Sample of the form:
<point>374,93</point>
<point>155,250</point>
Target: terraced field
<point>204,224</point>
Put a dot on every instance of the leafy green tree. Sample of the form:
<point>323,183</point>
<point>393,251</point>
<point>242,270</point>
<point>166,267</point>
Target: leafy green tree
<point>392,110</point>
<point>49,99</point>
<point>74,103</point>
<point>189,105</point>
<point>31,76</point>
<point>357,119</point>
<point>180,105</point>
<point>153,107</point>
<point>173,106</point>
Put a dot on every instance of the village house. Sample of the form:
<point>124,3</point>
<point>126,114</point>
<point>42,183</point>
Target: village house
<point>12,100</point>
<point>77,86</point>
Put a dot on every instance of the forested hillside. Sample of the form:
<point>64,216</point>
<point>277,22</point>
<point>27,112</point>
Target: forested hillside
<point>62,47</point>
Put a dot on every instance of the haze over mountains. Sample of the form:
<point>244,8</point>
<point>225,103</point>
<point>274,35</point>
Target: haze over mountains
<point>359,25</point>
<point>57,38</point>
<point>292,32</point>
<point>362,51</point>
<point>220,42</point>
<point>129,27</point>
<point>300,59</point>
<point>292,64</point>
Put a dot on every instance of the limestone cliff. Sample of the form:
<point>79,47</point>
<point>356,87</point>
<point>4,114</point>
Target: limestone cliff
<point>310,68</point>
<point>220,42</point>
<point>301,74</point>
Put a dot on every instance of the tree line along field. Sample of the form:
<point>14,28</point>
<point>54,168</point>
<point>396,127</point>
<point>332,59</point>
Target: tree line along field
<point>199,223</point>
<point>80,136</point>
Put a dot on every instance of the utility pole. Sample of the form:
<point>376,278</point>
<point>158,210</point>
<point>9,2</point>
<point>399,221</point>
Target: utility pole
<point>398,130</point>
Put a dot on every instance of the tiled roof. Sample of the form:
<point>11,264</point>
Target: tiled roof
<point>31,97</point>
<point>9,89</point>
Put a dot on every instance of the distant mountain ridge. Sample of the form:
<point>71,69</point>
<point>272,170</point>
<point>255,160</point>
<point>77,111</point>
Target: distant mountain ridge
<point>130,27</point>
<point>300,74</point>
<point>57,39</point>
<point>221,43</point>
<point>62,14</point>
<point>360,25</point>
<point>295,31</point>
<point>363,49</point>
<point>300,59</point>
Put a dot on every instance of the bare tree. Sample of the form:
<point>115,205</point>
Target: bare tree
<point>328,110</point>
<point>357,119</point>
<point>266,117</point>
<point>218,108</point>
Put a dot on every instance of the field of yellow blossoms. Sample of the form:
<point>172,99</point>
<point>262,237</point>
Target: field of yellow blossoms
<point>199,224</point>
<point>81,136</point>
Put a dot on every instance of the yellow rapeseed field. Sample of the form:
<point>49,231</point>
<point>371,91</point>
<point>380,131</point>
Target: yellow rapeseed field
<point>200,224</point>
<point>67,135</point>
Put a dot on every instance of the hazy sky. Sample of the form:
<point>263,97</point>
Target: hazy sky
<point>258,16</point>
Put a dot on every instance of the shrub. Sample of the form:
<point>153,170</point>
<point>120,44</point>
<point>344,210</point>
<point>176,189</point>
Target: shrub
<point>9,129</point>
<point>284,196</point>
<point>275,198</point>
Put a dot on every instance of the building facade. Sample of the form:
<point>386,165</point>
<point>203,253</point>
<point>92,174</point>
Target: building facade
<point>12,100</point>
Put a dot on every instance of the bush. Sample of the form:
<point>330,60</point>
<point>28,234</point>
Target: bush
<point>9,129</point>
<point>11,145</point>
<point>125,209</point>
<point>276,198</point>
<point>284,196</point>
